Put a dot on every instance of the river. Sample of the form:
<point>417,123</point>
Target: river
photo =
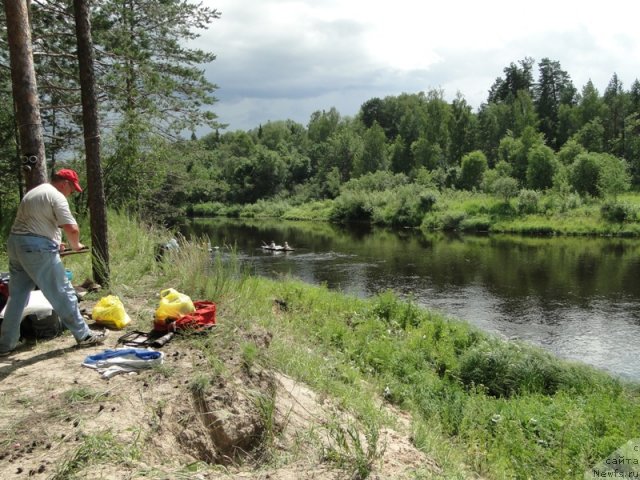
<point>577,297</point>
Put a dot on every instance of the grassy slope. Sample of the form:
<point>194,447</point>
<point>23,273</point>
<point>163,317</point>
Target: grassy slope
<point>480,406</point>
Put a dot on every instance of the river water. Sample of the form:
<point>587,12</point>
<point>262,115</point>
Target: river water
<point>574,296</point>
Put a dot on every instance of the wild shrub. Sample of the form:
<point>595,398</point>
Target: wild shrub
<point>376,181</point>
<point>393,311</point>
<point>472,169</point>
<point>351,207</point>
<point>265,209</point>
<point>528,201</point>
<point>476,224</point>
<point>406,205</point>
<point>207,209</point>
<point>541,167</point>
<point>428,200</point>
<point>503,209</point>
<point>570,202</point>
<point>452,220</point>
<point>431,221</point>
<point>505,187</point>
<point>617,212</point>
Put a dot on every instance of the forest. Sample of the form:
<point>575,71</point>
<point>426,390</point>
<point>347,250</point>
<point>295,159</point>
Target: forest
<point>537,134</point>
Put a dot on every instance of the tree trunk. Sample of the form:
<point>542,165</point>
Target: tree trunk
<point>25,93</point>
<point>97,207</point>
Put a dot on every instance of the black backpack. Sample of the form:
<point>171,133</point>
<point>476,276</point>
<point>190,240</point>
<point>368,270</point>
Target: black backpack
<point>41,328</point>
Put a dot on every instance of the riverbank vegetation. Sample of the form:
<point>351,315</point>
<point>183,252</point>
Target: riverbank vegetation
<point>479,405</point>
<point>540,156</point>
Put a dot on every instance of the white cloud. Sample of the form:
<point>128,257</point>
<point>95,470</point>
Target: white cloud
<point>279,59</point>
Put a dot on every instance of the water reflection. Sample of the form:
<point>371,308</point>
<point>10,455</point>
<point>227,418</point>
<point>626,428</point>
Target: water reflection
<point>577,297</point>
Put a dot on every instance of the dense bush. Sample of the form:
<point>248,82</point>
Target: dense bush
<point>452,220</point>
<point>528,201</point>
<point>266,209</point>
<point>407,205</point>
<point>584,174</point>
<point>351,207</point>
<point>617,212</point>
<point>472,169</point>
<point>209,209</point>
<point>541,167</point>
<point>505,187</point>
<point>377,181</point>
<point>503,209</point>
<point>476,224</point>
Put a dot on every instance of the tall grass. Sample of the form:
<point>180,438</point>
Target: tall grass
<point>481,406</point>
<point>511,410</point>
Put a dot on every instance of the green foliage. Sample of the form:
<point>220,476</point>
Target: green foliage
<point>322,125</point>
<point>510,409</point>
<point>553,89</point>
<point>478,224</point>
<point>541,167</point>
<point>570,151</point>
<point>150,71</point>
<point>250,353</point>
<point>383,198</point>
<point>351,207</point>
<point>591,136</point>
<point>260,176</point>
<point>407,205</point>
<point>505,187</point>
<point>373,156</point>
<point>584,174</point>
<point>152,87</point>
<point>395,312</point>
<point>599,174</point>
<point>452,220</point>
<point>505,370</point>
<point>473,167</point>
<point>376,181</point>
<point>511,152</point>
<point>528,201</point>
<point>320,210</point>
<point>614,176</point>
<point>208,209</point>
<point>617,212</point>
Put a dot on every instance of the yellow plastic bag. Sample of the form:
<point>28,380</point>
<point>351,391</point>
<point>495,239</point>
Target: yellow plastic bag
<point>173,304</point>
<point>109,312</point>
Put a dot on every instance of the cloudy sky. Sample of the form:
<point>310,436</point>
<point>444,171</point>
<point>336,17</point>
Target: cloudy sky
<point>285,59</point>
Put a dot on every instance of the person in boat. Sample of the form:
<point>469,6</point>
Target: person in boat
<point>272,245</point>
<point>287,247</point>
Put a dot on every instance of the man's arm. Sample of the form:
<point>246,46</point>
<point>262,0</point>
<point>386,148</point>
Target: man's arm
<point>72,232</point>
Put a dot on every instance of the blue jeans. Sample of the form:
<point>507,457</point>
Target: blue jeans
<point>35,261</point>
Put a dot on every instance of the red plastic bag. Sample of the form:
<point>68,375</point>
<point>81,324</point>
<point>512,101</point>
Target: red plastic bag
<point>203,317</point>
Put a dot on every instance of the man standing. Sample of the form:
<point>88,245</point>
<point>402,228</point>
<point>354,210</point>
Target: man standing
<point>34,247</point>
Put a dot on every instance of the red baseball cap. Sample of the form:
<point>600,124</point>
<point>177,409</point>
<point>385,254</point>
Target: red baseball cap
<point>70,175</point>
